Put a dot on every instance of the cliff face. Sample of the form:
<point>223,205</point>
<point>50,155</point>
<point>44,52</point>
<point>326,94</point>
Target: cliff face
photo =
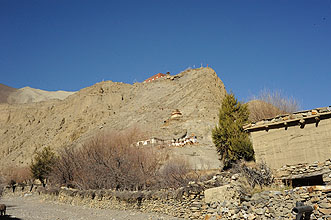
<point>196,93</point>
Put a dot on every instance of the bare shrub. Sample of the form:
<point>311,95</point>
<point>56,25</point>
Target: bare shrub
<point>107,161</point>
<point>64,168</point>
<point>269,104</point>
<point>258,175</point>
<point>175,173</point>
<point>13,176</point>
<point>16,175</point>
<point>112,161</point>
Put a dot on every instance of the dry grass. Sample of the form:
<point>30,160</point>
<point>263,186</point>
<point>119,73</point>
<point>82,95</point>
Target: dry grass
<point>269,104</point>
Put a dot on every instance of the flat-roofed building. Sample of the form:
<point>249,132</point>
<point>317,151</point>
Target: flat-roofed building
<point>300,137</point>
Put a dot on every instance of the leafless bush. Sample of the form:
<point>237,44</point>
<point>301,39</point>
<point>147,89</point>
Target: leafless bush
<point>176,172</point>
<point>16,175</point>
<point>13,176</point>
<point>112,161</point>
<point>270,104</point>
<point>107,161</point>
<point>260,175</point>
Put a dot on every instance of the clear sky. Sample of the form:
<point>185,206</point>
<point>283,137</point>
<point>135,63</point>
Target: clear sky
<point>71,44</point>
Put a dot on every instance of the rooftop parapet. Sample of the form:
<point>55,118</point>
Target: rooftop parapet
<point>297,118</point>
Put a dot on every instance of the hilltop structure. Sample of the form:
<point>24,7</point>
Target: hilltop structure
<point>155,77</point>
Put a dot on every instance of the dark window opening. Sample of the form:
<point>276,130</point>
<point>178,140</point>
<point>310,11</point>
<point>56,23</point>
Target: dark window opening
<point>305,181</point>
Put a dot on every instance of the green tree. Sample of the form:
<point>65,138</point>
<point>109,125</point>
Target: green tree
<point>229,137</point>
<point>42,164</point>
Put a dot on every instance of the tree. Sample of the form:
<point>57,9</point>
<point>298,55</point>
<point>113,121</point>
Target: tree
<point>42,164</point>
<point>229,137</point>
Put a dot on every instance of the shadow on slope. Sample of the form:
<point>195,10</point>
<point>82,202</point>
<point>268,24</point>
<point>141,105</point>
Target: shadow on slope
<point>5,91</point>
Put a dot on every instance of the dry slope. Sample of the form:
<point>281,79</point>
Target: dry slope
<point>5,91</point>
<point>197,93</point>
<point>27,95</point>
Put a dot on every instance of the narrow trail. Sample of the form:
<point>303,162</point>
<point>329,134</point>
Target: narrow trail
<point>34,208</point>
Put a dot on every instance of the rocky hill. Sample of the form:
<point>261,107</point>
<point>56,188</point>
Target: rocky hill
<point>196,93</point>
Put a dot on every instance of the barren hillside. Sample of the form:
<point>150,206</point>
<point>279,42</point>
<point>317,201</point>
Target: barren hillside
<point>28,95</point>
<point>197,94</point>
<point>5,91</point>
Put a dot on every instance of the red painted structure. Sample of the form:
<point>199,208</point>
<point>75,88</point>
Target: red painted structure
<point>155,77</point>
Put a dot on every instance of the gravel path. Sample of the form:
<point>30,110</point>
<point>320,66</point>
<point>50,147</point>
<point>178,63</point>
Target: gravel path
<point>34,208</point>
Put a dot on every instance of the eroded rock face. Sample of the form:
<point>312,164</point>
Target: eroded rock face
<point>197,93</point>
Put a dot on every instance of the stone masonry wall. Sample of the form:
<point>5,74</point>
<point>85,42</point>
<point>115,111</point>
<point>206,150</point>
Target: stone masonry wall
<point>218,198</point>
<point>304,170</point>
<point>185,202</point>
<point>274,204</point>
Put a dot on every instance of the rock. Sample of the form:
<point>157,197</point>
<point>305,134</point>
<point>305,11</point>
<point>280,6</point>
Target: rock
<point>251,217</point>
<point>260,211</point>
<point>220,193</point>
<point>235,176</point>
<point>319,188</point>
<point>327,189</point>
<point>27,194</point>
<point>325,205</point>
<point>325,211</point>
<point>315,199</point>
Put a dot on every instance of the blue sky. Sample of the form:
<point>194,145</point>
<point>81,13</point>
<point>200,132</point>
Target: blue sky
<point>68,44</point>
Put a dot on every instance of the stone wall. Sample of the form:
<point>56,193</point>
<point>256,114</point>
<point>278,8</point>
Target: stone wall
<point>298,171</point>
<point>274,204</point>
<point>219,198</point>
<point>185,202</point>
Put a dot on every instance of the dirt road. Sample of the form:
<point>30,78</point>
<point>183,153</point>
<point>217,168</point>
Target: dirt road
<point>34,208</point>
